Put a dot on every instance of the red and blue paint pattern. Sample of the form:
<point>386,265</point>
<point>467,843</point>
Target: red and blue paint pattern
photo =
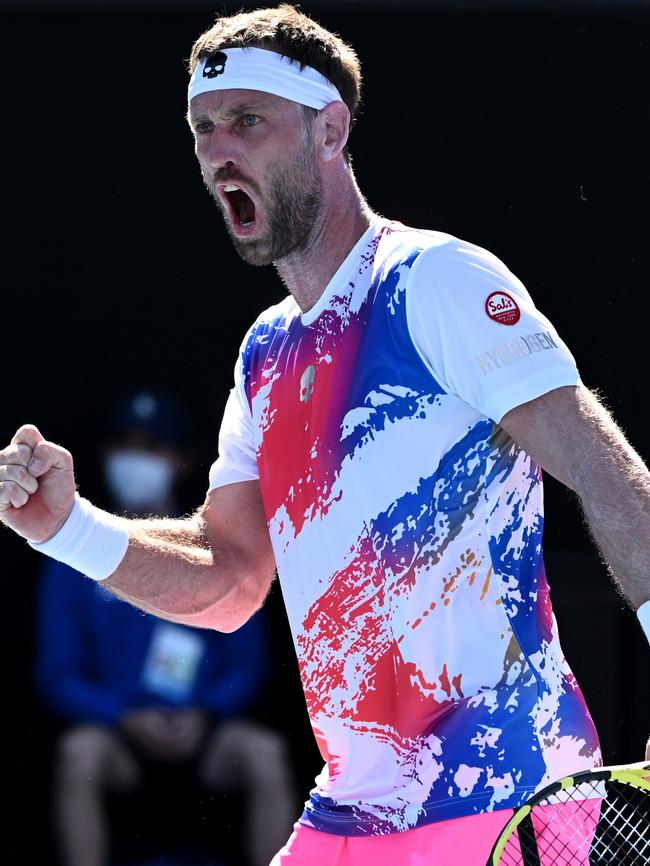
<point>407,531</point>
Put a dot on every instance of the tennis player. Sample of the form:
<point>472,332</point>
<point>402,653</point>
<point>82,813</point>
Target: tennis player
<point>382,448</point>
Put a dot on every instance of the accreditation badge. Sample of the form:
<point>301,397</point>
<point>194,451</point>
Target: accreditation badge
<point>172,661</point>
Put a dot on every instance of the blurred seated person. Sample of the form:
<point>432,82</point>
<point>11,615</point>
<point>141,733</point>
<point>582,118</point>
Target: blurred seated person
<point>135,691</point>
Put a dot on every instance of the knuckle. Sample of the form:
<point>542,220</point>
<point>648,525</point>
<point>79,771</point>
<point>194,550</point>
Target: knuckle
<point>23,454</point>
<point>61,454</point>
<point>28,435</point>
<point>15,473</point>
<point>19,496</point>
<point>20,474</point>
<point>14,454</point>
<point>12,493</point>
<point>26,480</point>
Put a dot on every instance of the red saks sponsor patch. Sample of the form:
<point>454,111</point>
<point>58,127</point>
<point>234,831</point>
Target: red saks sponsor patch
<point>502,308</point>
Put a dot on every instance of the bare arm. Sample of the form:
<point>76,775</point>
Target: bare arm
<point>575,439</point>
<point>212,570</point>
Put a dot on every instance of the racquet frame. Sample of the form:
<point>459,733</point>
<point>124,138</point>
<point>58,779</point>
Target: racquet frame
<point>637,775</point>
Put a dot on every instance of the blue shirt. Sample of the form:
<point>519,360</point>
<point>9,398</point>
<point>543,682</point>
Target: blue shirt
<point>98,656</point>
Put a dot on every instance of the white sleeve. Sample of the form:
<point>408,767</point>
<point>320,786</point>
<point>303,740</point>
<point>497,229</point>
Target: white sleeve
<point>477,329</point>
<point>236,460</point>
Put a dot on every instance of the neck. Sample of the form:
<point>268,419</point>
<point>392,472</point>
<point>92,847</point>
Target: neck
<point>344,218</point>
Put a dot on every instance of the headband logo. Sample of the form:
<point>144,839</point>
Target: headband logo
<point>215,64</point>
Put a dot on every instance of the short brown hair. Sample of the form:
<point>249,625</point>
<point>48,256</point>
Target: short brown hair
<point>292,34</point>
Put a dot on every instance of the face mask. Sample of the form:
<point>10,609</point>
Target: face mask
<point>137,479</point>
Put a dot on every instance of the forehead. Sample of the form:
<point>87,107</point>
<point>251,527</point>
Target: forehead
<point>228,103</point>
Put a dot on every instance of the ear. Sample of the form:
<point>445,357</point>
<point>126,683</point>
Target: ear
<point>333,128</point>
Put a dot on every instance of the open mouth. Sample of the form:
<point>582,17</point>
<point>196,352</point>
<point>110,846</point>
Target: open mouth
<point>241,206</point>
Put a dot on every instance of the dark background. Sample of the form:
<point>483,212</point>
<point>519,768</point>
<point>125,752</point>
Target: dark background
<point>528,135</point>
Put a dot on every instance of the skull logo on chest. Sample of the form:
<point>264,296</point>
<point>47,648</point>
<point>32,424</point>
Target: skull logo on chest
<point>307,381</point>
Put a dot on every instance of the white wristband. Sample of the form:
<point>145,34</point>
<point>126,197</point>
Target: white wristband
<point>644,618</point>
<point>91,541</point>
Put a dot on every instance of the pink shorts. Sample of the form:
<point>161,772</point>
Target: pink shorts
<point>457,842</point>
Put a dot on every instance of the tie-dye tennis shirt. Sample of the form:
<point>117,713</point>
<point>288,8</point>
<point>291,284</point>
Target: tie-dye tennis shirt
<point>407,531</point>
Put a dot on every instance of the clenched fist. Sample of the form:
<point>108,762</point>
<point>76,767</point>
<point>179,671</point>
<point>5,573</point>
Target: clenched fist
<point>37,485</point>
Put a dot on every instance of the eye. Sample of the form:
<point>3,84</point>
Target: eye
<point>249,120</point>
<point>204,128</point>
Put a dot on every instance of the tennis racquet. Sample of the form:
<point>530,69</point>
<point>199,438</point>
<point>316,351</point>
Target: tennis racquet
<point>599,817</point>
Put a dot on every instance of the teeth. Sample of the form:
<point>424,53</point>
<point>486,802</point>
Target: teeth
<point>249,223</point>
<point>230,188</point>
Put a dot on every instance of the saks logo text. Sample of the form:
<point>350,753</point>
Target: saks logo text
<point>515,350</point>
<point>501,308</point>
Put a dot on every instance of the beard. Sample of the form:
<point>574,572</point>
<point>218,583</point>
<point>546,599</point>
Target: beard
<point>292,209</point>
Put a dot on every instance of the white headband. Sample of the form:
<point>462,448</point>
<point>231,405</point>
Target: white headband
<point>259,69</point>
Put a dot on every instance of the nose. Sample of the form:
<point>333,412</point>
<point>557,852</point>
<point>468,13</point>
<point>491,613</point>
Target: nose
<point>218,149</point>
